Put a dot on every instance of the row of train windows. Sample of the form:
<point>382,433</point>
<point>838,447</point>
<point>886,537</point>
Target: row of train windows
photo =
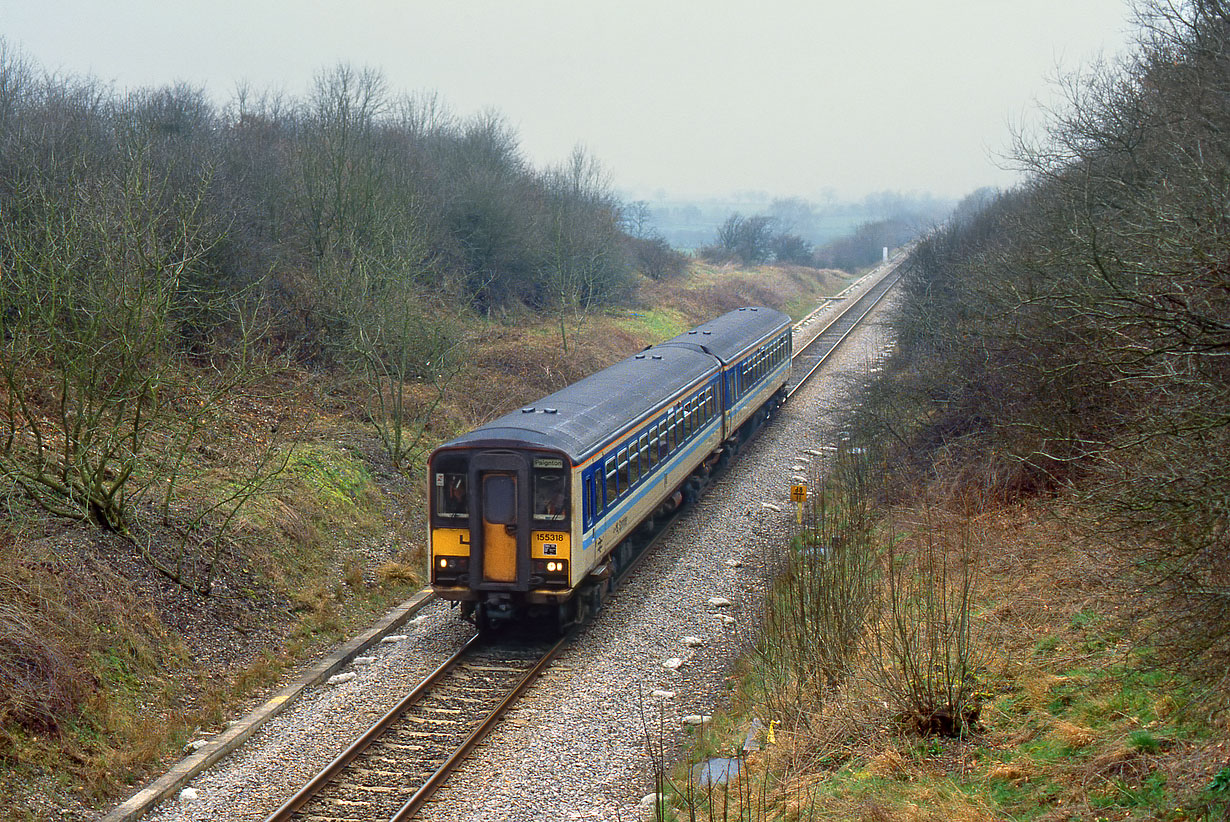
<point>639,455</point>
<point>754,368</point>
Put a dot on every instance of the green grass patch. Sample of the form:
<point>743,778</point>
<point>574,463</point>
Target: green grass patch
<point>655,324</point>
<point>337,478</point>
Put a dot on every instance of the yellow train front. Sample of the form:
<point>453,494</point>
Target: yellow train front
<point>530,514</point>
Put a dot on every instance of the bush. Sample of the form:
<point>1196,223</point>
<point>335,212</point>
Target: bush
<point>655,258</point>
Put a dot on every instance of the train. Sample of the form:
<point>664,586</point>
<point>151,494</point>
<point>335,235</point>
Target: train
<point>532,516</point>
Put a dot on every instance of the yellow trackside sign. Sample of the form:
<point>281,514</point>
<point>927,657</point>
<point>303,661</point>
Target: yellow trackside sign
<point>798,494</point>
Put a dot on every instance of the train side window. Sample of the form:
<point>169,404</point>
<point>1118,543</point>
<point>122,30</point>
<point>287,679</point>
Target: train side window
<point>624,475</point>
<point>587,500</point>
<point>645,461</point>
<point>452,501</point>
<point>612,481</point>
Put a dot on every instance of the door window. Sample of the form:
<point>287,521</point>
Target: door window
<point>500,499</point>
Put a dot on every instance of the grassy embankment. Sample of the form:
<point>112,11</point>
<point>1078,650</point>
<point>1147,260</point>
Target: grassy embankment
<point>110,667</point>
<point>936,649</point>
<point>1067,716</point>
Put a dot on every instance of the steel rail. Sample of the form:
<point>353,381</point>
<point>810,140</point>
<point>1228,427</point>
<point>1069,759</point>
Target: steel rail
<point>442,773</point>
<point>347,757</point>
<point>853,315</point>
<point>352,752</point>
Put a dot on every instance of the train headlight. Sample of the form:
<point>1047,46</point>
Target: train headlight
<point>552,566</point>
<point>452,564</point>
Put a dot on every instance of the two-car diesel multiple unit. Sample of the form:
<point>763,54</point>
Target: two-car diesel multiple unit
<point>529,514</point>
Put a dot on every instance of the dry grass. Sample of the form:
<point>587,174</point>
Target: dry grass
<point>106,667</point>
<point>1074,724</point>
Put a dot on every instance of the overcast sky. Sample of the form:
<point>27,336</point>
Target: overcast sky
<point>693,99</point>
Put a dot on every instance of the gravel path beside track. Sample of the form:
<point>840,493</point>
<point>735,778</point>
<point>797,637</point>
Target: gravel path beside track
<point>575,746</point>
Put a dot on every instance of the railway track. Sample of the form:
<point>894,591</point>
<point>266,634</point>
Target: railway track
<point>811,356</point>
<point>392,770</point>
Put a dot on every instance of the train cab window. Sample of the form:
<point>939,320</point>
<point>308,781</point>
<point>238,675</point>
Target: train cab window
<point>452,501</point>
<point>500,499</point>
<point>550,495</point>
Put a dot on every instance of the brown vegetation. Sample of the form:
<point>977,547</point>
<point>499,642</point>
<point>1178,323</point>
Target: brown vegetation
<point>1046,635</point>
<point>108,665</point>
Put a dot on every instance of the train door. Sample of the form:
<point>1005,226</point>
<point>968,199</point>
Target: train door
<point>500,520</point>
<point>499,515</point>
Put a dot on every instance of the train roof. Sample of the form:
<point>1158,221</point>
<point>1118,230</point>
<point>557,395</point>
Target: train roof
<point>585,415</point>
<point>731,334</point>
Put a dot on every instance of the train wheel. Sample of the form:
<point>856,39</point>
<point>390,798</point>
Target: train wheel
<point>568,614</point>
